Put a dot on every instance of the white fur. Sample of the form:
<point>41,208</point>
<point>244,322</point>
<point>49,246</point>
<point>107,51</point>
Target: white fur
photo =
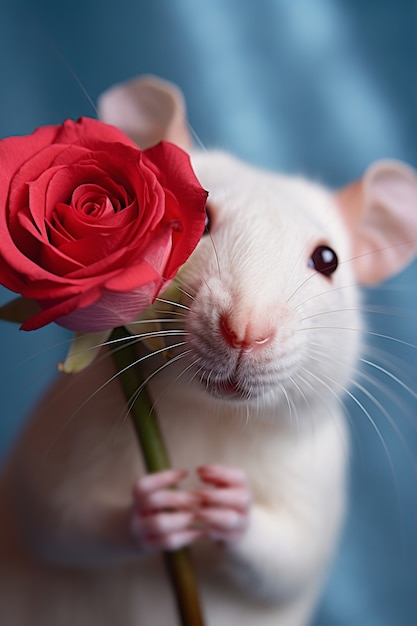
<point>67,556</point>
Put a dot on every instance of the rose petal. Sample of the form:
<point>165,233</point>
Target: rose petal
<point>89,251</point>
<point>52,311</point>
<point>85,127</point>
<point>77,226</point>
<point>59,287</point>
<point>111,310</point>
<point>92,202</point>
<point>178,177</point>
<point>20,185</point>
<point>16,151</point>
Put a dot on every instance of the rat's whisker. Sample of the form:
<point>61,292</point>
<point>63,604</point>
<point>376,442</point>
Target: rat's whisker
<point>44,351</point>
<point>141,359</point>
<point>72,380</point>
<point>295,265</point>
<point>400,244</point>
<point>390,375</point>
<point>377,404</point>
<point>186,293</point>
<point>176,379</point>
<point>145,382</point>
<point>361,309</point>
<point>326,405</point>
<point>364,411</point>
<point>156,320</point>
<point>360,331</point>
<point>289,404</point>
<point>384,358</point>
<point>197,371</point>
<point>299,390</point>
<point>360,373</point>
<point>300,286</point>
<point>400,367</point>
<point>405,412</point>
<point>131,340</point>
<point>362,306</point>
<point>173,303</point>
<point>174,315</point>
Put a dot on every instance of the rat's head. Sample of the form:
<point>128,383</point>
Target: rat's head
<point>274,305</point>
<point>271,289</point>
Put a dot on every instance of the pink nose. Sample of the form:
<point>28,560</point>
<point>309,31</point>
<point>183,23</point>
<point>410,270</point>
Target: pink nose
<point>250,339</point>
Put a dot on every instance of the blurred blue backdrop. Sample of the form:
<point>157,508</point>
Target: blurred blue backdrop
<point>319,87</point>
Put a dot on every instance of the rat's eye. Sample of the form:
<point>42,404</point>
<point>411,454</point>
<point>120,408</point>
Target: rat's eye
<point>323,260</point>
<point>207,223</point>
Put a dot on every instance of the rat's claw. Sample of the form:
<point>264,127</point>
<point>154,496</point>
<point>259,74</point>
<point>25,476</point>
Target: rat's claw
<point>238,498</point>
<point>159,480</point>
<point>164,531</point>
<point>225,505</point>
<point>163,517</point>
<point>222,475</point>
<point>167,499</point>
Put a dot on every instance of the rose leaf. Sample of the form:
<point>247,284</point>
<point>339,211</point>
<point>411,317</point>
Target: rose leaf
<point>83,350</point>
<point>19,310</point>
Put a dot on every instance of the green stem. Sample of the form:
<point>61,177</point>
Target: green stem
<point>178,562</point>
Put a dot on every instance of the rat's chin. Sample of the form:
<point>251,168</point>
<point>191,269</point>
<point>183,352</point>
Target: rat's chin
<point>232,390</point>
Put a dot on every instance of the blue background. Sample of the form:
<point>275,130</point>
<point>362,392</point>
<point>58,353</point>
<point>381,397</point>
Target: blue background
<point>319,87</point>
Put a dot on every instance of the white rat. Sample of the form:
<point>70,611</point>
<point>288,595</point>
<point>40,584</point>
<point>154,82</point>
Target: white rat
<point>249,407</point>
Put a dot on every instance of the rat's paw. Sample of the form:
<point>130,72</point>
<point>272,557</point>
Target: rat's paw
<point>225,506</point>
<point>163,518</point>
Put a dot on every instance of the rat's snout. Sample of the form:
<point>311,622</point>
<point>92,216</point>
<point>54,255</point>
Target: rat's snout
<point>242,345</point>
<point>248,336</point>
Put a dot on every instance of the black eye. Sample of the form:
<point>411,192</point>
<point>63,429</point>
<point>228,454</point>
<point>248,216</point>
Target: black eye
<point>207,223</point>
<point>323,260</point>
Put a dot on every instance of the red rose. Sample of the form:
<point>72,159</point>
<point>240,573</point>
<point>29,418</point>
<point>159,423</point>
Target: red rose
<point>91,227</point>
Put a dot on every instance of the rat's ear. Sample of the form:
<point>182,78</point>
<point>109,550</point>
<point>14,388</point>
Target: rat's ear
<point>148,109</point>
<point>380,211</point>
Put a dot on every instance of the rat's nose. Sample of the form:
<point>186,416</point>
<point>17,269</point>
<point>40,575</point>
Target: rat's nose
<point>247,338</point>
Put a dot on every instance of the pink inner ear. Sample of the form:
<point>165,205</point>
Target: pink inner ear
<point>351,202</point>
<point>381,214</point>
<point>147,109</point>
